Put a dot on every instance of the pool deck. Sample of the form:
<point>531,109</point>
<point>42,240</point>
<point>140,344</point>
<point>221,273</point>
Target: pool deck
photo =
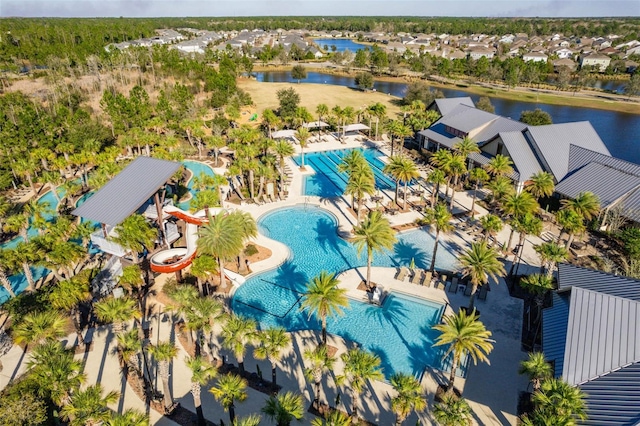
<point>491,389</point>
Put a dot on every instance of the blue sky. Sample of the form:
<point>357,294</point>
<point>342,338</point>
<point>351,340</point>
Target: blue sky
<point>151,8</point>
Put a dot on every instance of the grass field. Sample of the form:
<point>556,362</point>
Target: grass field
<point>264,96</point>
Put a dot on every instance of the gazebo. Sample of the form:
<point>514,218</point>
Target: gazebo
<point>124,195</point>
<point>287,134</point>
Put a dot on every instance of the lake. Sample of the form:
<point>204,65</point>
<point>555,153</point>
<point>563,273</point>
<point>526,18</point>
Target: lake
<point>341,44</point>
<point>618,130</point>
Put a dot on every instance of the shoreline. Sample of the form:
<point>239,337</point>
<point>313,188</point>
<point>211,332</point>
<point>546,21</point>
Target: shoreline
<point>581,99</point>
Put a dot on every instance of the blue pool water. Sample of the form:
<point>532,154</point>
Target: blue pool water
<point>196,169</point>
<point>404,325</point>
<point>328,182</point>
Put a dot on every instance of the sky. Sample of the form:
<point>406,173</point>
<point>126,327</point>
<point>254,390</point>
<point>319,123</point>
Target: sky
<point>180,8</point>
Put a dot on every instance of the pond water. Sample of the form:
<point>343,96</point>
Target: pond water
<point>619,131</point>
<point>341,44</point>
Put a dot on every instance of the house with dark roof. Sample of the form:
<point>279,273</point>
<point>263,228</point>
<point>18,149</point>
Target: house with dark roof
<point>591,335</point>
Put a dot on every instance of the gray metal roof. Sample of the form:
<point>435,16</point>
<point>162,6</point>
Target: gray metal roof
<point>436,133</point>
<point>523,157</point>
<point>500,124</point>
<point>603,335</point>
<point>445,105</point>
<point>607,183</point>
<point>554,331</point>
<point>579,156</point>
<point>631,206</point>
<point>614,399</point>
<point>574,276</point>
<point>466,118</point>
<point>127,191</point>
<point>553,143</point>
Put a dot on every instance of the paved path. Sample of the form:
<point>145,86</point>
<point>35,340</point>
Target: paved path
<point>492,390</point>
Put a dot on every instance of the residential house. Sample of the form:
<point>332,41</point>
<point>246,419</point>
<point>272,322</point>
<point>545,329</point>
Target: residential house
<point>564,53</point>
<point>535,57</point>
<point>569,63</point>
<point>591,336</point>
<point>479,52</point>
<point>597,61</point>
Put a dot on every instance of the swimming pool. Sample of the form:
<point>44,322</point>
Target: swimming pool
<point>310,232</point>
<point>328,182</point>
<point>196,168</point>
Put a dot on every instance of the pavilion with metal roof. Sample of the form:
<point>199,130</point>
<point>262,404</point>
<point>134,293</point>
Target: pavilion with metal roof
<point>127,191</point>
<point>592,335</point>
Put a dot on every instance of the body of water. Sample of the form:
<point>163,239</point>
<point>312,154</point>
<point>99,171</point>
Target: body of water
<point>341,44</point>
<point>618,130</point>
<point>399,331</point>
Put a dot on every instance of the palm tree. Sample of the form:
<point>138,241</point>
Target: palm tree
<point>360,183</point>
<point>457,168</point>
<point>39,327</point>
<point>230,388</point>
<point>479,263</point>
<point>116,311</point>
<point>319,361</point>
<point>359,367</point>
<point>560,401</point>
<point>402,169</point>
<point>22,256</point>
<point>500,187</point>
<point>463,334</point>
<point>201,268</point>
<point>67,296</point>
<point>376,235</point>
<point>439,219</point>
<point>164,353</point>
<point>129,347</point>
<point>273,341</point>
<point>55,371</point>
<point>203,200</point>
<point>436,178</point>
<point>134,234</point>
<point>284,407</point>
<point>518,205</point>
<point>441,159</point>
<point>551,254</point>
<point>525,225</point>
<point>322,110</point>
<point>585,204</point>
<point>378,110</point>
<point>500,165</point>
<point>332,418</point>
<point>224,237</point>
<point>538,285</point>
<point>88,407</point>
<point>540,185</point>
<point>491,225</point>
<point>478,176</point>
<point>131,279</point>
<point>536,368</point>
<point>572,223</point>
<point>323,298</point>
<point>283,149</point>
<point>466,146</point>
<point>237,333</point>
<point>201,373</point>
<point>302,135</point>
<point>4,279</point>
<point>453,411</point>
<point>250,420</point>
<point>130,417</point>
<point>410,396</point>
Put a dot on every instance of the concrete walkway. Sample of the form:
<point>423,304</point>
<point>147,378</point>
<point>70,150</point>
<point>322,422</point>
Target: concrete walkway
<point>492,390</point>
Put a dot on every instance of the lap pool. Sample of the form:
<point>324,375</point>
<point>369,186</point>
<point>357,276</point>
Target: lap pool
<point>399,331</point>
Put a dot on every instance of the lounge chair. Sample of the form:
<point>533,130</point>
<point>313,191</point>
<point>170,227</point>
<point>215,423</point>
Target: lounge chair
<point>415,279</point>
<point>426,278</point>
<point>453,288</point>
<point>482,292</point>
<point>467,291</point>
<point>402,274</point>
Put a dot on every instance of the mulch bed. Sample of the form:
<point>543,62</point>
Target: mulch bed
<point>185,417</point>
<point>441,391</point>
<point>325,409</point>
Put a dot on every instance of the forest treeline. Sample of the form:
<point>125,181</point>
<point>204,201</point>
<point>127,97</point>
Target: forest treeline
<point>32,41</point>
